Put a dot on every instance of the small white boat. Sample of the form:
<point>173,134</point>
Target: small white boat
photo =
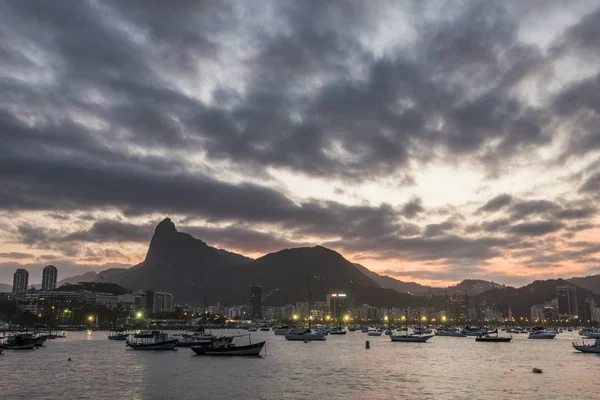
<point>588,348</point>
<point>373,333</point>
<point>337,330</point>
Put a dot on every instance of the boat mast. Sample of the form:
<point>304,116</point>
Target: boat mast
<point>309,295</point>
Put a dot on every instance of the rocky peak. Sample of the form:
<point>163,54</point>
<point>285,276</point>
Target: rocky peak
<point>165,227</point>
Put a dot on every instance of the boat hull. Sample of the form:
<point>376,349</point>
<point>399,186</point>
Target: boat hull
<point>493,339</point>
<point>25,346</point>
<point>249,350</point>
<point>308,337</point>
<point>374,334</point>
<point>587,348</point>
<point>547,336</point>
<point>118,337</point>
<point>166,345</point>
<point>411,339</point>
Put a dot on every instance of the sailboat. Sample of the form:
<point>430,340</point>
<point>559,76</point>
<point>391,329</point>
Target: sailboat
<point>410,338</point>
<point>494,339</point>
<point>305,334</point>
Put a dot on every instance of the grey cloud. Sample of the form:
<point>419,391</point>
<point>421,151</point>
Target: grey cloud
<point>496,203</point>
<point>536,228</point>
<point>111,231</point>
<point>16,255</point>
<point>591,184</point>
<point>412,208</point>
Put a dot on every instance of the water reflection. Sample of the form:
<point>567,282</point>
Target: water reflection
<point>444,368</point>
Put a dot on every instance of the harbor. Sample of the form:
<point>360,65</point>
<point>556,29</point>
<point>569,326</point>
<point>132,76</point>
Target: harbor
<point>88,365</point>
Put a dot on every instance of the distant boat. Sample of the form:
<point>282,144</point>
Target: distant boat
<point>23,341</point>
<point>151,341</point>
<point>410,338</point>
<point>204,340</point>
<point>282,331</point>
<point>588,348</point>
<point>449,331</point>
<point>265,329</point>
<point>541,333</point>
<point>337,330</point>
<point>225,348</point>
<point>373,333</point>
<point>118,335</point>
<point>252,329</point>
<point>305,334</point>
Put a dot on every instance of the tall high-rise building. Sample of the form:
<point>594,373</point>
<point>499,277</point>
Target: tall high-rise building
<point>163,302</point>
<point>49,275</point>
<point>567,301</point>
<point>20,281</point>
<point>337,304</point>
<point>256,302</point>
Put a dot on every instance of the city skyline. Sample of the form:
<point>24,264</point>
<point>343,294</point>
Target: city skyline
<point>429,141</point>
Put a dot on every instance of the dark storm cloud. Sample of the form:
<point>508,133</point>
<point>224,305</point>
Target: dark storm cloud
<point>103,105</point>
<point>111,231</point>
<point>536,228</point>
<point>496,203</point>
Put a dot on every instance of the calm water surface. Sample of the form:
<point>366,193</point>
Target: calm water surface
<point>443,368</point>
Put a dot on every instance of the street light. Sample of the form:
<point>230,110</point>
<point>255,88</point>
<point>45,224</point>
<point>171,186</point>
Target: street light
<point>90,318</point>
<point>138,315</point>
<point>295,316</point>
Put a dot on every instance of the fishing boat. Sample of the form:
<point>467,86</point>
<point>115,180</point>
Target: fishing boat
<point>39,341</point>
<point>202,341</point>
<point>118,335</point>
<point>588,348</point>
<point>220,347</point>
<point>374,333</point>
<point>337,330</point>
<point>151,341</point>
<point>410,338</point>
<point>21,341</point>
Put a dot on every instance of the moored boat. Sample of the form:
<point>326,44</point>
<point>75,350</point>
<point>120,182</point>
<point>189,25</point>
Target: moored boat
<point>304,334</point>
<point>151,341</point>
<point>541,333</point>
<point>449,331</point>
<point>118,335</point>
<point>337,330</point>
<point>224,348</point>
<point>588,348</point>
<point>23,341</point>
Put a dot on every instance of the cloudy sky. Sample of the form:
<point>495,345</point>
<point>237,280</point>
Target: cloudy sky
<point>429,140</point>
